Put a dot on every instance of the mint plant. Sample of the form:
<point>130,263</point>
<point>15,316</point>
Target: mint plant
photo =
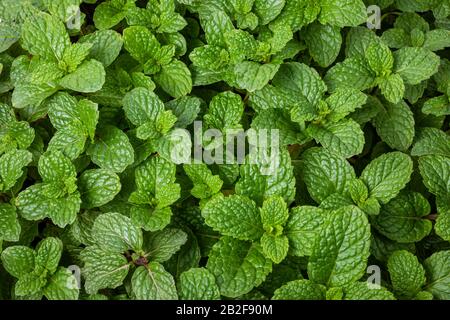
<point>224,149</point>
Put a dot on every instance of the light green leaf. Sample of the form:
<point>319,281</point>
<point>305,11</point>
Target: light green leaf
<point>415,64</point>
<point>395,125</point>
<point>402,219</point>
<point>302,229</point>
<point>9,225</point>
<point>103,269</point>
<point>235,216</point>
<point>362,291</point>
<point>98,187</point>
<point>87,78</point>
<point>435,171</point>
<point>11,167</point>
<point>343,13</point>
<point>437,268</point>
<point>175,79</point>
<point>238,266</point>
<point>253,76</point>
<point>112,150</point>
<point>406,273</point>
<point>114,232</point>
<point>344,138</point>
<point>341,249</point>
<point>205,183</point>
<point>152,282</point>
<point>300,290</point>
<point>275,247</point>
<point>325,173</point>
<point>324,43</point>
<point>62,286</point>
<point>48,254</point>
<point>198,284</point>
<point>386,175</point>
<point>18,260</point>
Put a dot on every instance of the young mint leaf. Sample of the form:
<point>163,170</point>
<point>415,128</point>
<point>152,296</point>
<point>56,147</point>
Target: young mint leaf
<point>198,284</point>
<point>175,79</point>
<point>235,216</point>
<point>403,218</point>
<point>406,273</point>
<point>437,273</point>
<point>415,64</point>
<point>325,173</point>
<point>362,291</point>
<point>11,167</point>
<point>341,248</point>
<point>152,282</point>
<point>302,229</point>
<point>386,175</point>
<point>114,232</point>
<point>324,43</point>
<point>435,173</point>
<point>98,187</point>
<point>18,260</point>
<point>205,183</point>
<point>395,126</point>
<point>62,286</point>
<point>300,290</point>
<point>275,247</point>
<point>103,269</point>
<point>238,266</point>
<point>111,150</point>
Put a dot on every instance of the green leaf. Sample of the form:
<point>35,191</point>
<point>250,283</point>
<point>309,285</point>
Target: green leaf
<point>42,200</point>
<point>140,43</point>
<point>110,13</point>
<point>18,260</point>
<point>45,36</point>
<point>343,102</point>
<point>302,229</point>
<point>62,286</point>
<point>438,274</point>
<point>106,45</point>
<point>235,216</point>
<point>114,232</point>
<point>392,88</point>
<point>406,273</point>
<point>395,126</point>
<point>344,138</point>
<point>267,10</point>
<point>415,64</point>
<point>98,187</point>
<point>48,254</point>
<point>386,175</point>
<point>142,105</point>
<point>112,150</point>
<point>269,174</point>
<point>302,79</point>
<point>379,58</point>
<point>300,290</point>
<point>152,282</point>
<point>103,269</point>
<point>352,72</point>
<point>362,291</point>
<point>175,79</point>
<point>205,183</point>
<point>343,13</point>
<point>324,43</point>
<point>341,249</point>
<point>274,212</point>
<point>402,219</point>
<point>198,284</point>
<point>435,173</point>
<point>9,225</point>
<point>275,247</point>
<point>87,78</point>
<point>238,266</point>
<point>437,39</point>
<point>325,173</point>
<point>11,167</point>
<point>225,111</point>
<point>54,166</point>
<point>30,284</point>
<point>253,76</point>
<point>162,245</point>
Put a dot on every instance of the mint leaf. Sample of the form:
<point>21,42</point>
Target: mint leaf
<point>235,216</point>
<point>437,273</point>
<point>98,187</point>
<point>341,248</point>
<point>386,175</point>
<point>238,266</point>
<point>406,273</point>
<point>300,290</point>
<point>152,282</point>
<point>198,284</point>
